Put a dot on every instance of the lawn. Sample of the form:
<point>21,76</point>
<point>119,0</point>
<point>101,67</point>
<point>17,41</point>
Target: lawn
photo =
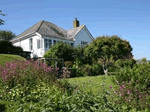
<point>7,58</point>
<point>91,83</point>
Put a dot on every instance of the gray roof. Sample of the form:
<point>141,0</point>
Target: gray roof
<point>50,30</point>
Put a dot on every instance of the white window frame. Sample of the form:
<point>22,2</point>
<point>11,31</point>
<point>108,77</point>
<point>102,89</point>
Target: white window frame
<point>39,43</point>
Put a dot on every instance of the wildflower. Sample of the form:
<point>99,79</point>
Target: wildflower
<point>110,86</point>
<point>120,87</point>
<point>128,91</point>
<point>117,82</point>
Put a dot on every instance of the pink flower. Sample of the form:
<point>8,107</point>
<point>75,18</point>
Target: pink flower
<point>128,91</point>
<point>110,86</point>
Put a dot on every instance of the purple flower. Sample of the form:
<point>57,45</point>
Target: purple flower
<point>110,86</point>
<point>128,91</point>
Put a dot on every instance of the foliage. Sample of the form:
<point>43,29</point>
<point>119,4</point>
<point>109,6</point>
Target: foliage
<point>124,63</point>
<point>25,73</point>
<point>6,35</point>
<point>80,57</point>
<point>140,73</point>
<point>68,64</point>
<point>108,49</point>
<point>60,50</point>
<point>130,96</point>
<point>1,21</point>
<point>7,47</point>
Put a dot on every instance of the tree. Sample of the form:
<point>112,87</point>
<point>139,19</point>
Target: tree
<point>60,50</point>
<point>108,49</point>
<point>6,35</point>
<point>1,21</point>
<point>7,47</point>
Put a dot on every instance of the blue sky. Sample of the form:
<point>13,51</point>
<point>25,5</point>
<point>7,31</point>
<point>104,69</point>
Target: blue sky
<point>129,19</point>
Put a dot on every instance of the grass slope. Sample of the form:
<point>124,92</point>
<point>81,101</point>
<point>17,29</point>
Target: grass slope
<point>7,58</point>
<point>91,83</point>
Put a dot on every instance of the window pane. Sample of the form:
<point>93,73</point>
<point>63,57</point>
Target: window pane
<point>54,41</point>
<point>30,44</point>
<point>45,42</point>
<point>72,44</point>
<point>41,43</point>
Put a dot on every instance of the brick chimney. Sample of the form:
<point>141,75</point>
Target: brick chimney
<point>75,23</point>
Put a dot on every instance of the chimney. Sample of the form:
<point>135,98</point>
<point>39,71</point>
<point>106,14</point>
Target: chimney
<point>75,23</point>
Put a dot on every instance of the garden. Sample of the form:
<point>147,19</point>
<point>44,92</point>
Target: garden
<point>99,77</point>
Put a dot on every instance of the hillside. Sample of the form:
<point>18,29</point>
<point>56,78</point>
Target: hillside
<point>7,58</point>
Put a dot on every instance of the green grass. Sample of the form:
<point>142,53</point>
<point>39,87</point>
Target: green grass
<point>7,58</point>
<point>91,83</point>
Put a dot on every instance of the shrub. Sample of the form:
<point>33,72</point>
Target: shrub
<point>68,64</point>
<point>25,73</point>
<point>7,47</point>
<point>127,62</point>
<point>60,50</point>
<point>130,96</point>
<point>140,73</point>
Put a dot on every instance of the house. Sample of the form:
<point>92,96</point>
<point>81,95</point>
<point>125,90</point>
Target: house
<point>41,36</point>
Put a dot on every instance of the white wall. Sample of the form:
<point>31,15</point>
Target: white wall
<point>83,35</point>
<point>17,44</point>
<point>25,46</point>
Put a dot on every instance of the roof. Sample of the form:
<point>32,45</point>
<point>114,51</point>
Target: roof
<point>50,30</point>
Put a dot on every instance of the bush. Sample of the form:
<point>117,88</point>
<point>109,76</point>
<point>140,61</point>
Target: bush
<point>25,81</point>
<point>132,84</point>
<point>60,50</point>
<point>68,64</point>
<point>26,73</point>
<point>124,63</point>
<point>7,47</point>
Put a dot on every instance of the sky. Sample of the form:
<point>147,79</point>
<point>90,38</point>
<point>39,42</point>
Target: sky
<point>129,19</point>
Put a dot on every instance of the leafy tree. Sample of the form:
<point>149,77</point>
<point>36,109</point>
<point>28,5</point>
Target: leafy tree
<point>6,35</point>
<point>144,60</point>
<point>60,50</point>
<point>108,49</point>
<point>1,21</point>
<point>7,47</point>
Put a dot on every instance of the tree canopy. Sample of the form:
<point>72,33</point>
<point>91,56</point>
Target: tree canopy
<point>7,47</point>
<point>6,35</point>
<point>60,50</point>
<point>108,49</point>
<point>1,21</point>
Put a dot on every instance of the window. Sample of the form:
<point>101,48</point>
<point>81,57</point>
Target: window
<point>72,44</point>
<point>54,42</point>
<point>48,43</point>
<point>38,44</point>
<point>83,43</point>
<point>30,44</point>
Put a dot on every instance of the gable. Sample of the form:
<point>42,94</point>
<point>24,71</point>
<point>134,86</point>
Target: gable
<point>84,35</point>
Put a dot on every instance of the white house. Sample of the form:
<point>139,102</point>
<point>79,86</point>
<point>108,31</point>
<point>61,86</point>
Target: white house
<point>41,36</point>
